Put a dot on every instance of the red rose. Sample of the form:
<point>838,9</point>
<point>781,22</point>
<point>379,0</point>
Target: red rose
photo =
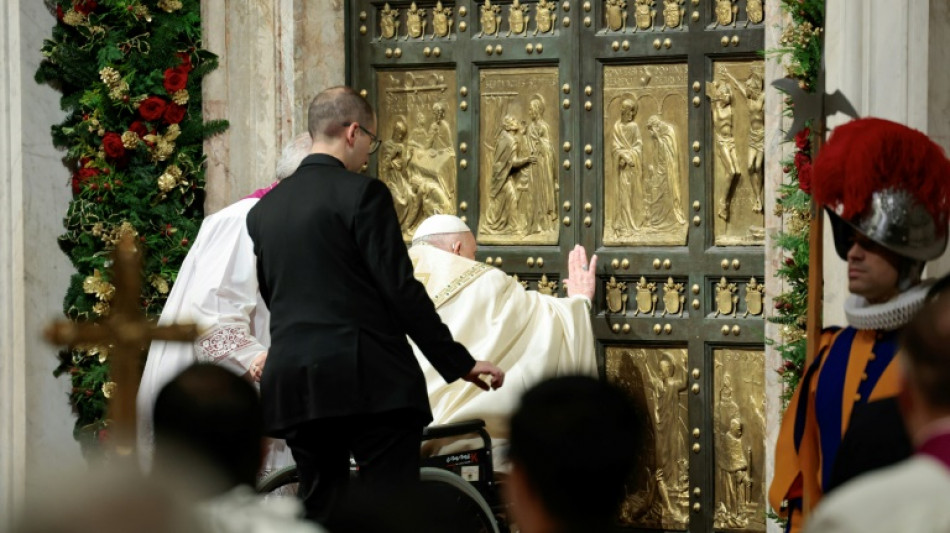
<point>175,79</point>
<point>800,159</point>
<point>174,113</point>
<point>86,173</point>
<point>59,12</point>
<point>803,168</point>
<point>112,144</point>
<point>804,177</point>
<point>802,139</point>
<point>152,108</point>
<point>138,128</point>
<point>85,6</point>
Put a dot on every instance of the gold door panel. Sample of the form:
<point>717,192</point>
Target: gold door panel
<point>658,495</point>
<point>417,157</point>
<point>645,155</point>
<point>739,418</point>
<point>518,170</point>
<point>633,128</point>
<point>736,99</point>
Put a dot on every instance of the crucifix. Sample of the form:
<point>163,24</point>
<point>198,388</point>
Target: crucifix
<point>129,332</point>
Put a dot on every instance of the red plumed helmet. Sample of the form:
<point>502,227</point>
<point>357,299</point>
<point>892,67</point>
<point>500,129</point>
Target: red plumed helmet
<point>890,183</point>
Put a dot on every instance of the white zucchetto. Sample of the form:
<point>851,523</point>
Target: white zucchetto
<point>438,225</point>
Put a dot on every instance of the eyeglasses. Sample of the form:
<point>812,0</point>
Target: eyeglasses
<point>374,140</point>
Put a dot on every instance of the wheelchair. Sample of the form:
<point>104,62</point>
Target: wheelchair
<point>466,478</point>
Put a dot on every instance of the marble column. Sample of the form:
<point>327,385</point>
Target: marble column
<point>938,92</point>
<point>274,58</point>
<point>12,329</point>
<point>775,151</point>
<point>36,443</point>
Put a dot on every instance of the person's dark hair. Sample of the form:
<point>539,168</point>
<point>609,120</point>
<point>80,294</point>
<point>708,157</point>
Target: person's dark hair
<point>926,343</point>
<point>335,106</point>
<point>213,415</point>
<point>577,439</point>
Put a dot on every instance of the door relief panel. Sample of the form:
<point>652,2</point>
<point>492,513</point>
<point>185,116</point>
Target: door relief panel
<point>658,495</point>
<point>417,157</point>
<point>645,151</point>
<point>518,132</point>
<point>736,101</point>
<point>739,417</point>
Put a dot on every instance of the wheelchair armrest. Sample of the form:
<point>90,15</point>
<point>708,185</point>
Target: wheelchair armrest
<point>453,429</point>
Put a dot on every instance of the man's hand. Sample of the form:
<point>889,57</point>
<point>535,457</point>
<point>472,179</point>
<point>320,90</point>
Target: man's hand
<point>483,368</point>
<point>257,366</point>
<point>581,275</point>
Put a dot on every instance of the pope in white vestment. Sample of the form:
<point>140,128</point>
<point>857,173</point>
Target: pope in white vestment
<point>531,336</point>
<point>217,290</point>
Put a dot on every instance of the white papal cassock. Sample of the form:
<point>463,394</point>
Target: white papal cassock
<point>217,290</point>
<point>531,336</point>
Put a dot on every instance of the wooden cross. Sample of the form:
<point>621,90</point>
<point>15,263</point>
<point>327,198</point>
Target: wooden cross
<point>129,332</point>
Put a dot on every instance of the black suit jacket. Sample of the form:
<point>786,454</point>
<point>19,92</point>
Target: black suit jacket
<point>337,278</point>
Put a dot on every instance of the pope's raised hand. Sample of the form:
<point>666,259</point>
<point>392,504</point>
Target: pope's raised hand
<point>582,276</point>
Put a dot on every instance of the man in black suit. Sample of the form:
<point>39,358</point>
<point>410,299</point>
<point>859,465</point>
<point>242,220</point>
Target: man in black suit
<point>340,376</point>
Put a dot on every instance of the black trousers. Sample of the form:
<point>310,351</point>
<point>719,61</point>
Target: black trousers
<point>384,445</point>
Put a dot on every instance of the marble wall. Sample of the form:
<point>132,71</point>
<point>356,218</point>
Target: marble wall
<point>36,442</point>
<point>275,57</point>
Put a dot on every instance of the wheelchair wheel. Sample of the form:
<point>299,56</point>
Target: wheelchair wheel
<point>460,505</point>
<point>281,481</point>
<point>472,511</point>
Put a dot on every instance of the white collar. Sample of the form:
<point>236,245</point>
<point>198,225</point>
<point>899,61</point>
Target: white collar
<point>890,315</point>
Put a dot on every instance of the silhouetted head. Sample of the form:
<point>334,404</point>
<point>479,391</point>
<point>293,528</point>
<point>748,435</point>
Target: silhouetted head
<point>574,441</point>
<point>209,415</point>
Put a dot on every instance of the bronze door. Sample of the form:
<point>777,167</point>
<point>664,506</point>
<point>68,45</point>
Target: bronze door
<point>632,127</point>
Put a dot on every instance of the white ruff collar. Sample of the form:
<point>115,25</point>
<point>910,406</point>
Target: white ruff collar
<point>890,315</point>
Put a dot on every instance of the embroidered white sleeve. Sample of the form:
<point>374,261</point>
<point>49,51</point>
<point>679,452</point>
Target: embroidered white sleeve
<point>220,343</point>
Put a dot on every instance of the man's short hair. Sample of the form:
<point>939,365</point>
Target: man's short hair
<point>926,343</point>
<point>577,439</point>
<point>214,416</point>
<point>335,106</point>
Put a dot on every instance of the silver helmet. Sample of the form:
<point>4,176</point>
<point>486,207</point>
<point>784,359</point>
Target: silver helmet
<point>896,221</point>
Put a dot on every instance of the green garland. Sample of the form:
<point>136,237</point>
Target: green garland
<point>130,72</point>
<point>801,49</point>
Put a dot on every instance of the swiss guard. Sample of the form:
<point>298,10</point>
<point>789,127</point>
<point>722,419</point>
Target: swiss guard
<point>886,189</point>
